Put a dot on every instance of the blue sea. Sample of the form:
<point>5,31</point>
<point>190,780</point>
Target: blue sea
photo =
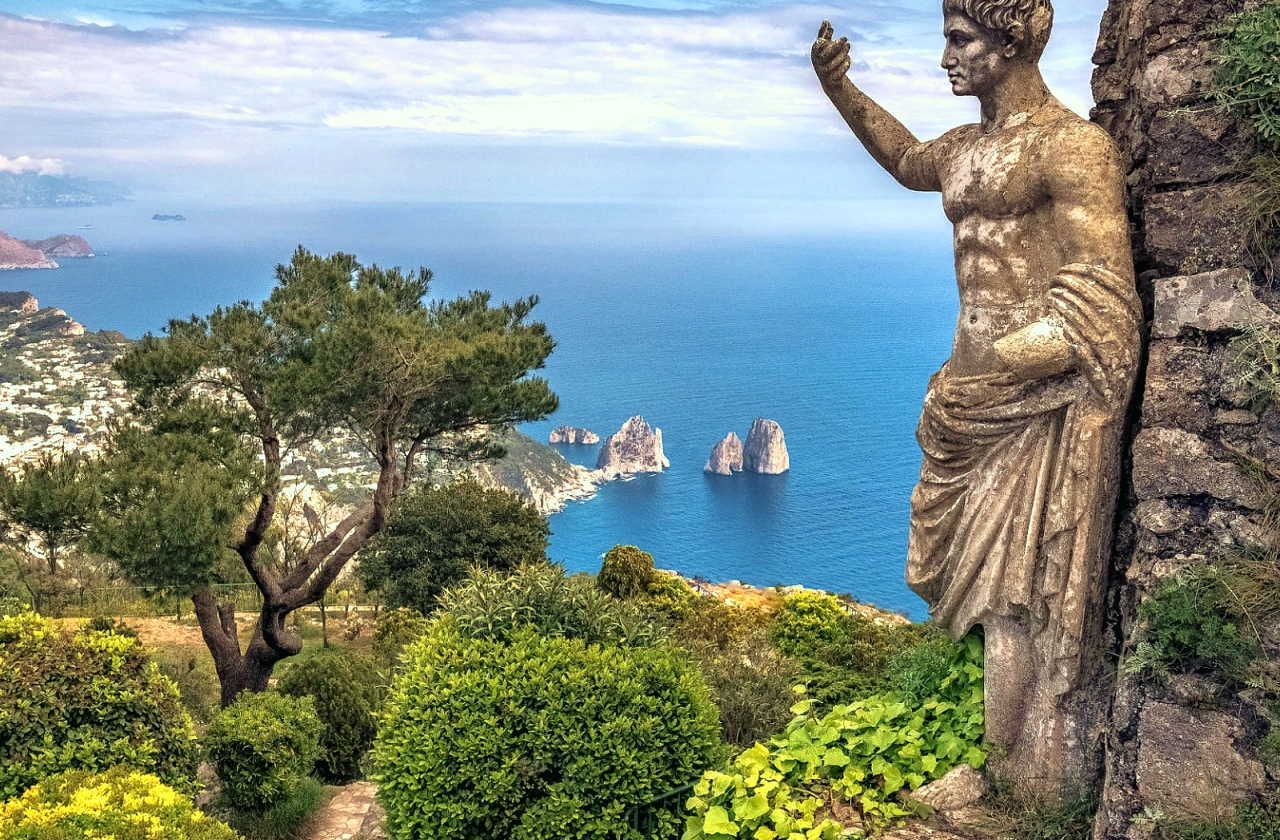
<point>700,317</point>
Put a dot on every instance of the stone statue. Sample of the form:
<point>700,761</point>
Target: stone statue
<point>1011,522</point>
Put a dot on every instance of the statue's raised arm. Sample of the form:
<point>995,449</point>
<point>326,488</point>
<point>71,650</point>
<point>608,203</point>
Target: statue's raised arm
<point>1021,429</point>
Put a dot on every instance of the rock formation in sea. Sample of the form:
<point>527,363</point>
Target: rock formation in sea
<point>573,435</point>
<point>766,449</point>
<point>62,245</point>
<point>726,456</point>
<point>16,254</point>
<point>635,448</point>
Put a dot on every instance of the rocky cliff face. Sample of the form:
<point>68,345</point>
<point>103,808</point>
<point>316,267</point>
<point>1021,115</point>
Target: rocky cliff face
<point>62,245</point>
<point>635,448</point>
<point>573,435</point>
<point>726,456</point>
<point>16,254</point>
<point>1186,747</point>
<point>766,449</point>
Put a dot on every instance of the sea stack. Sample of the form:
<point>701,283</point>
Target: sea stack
<point>726,456</point>
<point>573,435</point>
<point>635,448</point>
<point>766,449</point>
<point>16,254</point>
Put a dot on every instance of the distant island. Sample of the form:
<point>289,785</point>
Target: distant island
<point>168,217</point>
<point>31,253</point>
<point>573,435</point>
<point>32,189</point>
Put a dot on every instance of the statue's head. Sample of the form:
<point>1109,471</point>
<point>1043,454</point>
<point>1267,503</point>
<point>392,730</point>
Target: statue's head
<point>986,39</point>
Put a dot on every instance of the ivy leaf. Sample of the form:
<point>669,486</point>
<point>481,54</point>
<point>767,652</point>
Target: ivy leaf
<point>717,822</point>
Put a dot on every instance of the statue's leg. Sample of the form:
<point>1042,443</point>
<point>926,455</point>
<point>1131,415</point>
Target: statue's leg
<point>1009,681</point>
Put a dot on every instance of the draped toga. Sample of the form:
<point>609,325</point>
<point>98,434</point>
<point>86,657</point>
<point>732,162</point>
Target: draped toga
<point>1013,515</point>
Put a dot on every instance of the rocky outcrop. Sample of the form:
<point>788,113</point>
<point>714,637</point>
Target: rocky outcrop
<point>766,449</point>
<point>537,473</point>
<point>62,245</point>
<point>22,303</point>
<point>15,254</point>
<point>1170,751</point>
<point>726,456</point>
<point>573,435</point>
<point>635,448</point>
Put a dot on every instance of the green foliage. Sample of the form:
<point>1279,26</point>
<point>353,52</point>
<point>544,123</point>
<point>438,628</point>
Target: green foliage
<point>918,672</point>
<point>843,655</point>
<point>1190,625</point>
<point>283,820</point>
<point>1248,77</point>
<point>85,701</point>
<point>670,599</point>
<point>1021,814</point>
<point>807,622</point>
<point>262,746</point>
<point>196,680</point>
<point>121,804</point>
<point>437,534</point>
<point>627,572</point>
<point>394,630</point>
<point>541,597</point>
<point>106,624</point>
<point>1251,822</point>
<point>1253,364</point>
<point>535,738</point>
<point>348,690</point>
<point>864,752</point>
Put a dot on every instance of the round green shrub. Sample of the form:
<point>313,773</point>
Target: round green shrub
<point>806,621</point>
<point>541,597</point>
<point>437,534</point>
<point>262,746</point>
<point>120,804</point>
<point>348,690</point>
<point>627,572</point>
<point>394,630</point>
<point>85,700</point>
<point>539,738</point>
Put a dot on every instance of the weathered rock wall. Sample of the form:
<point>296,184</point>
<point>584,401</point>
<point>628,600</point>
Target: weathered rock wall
<point>1187,747</point>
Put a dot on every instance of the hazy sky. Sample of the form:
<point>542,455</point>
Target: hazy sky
<point>264,100</point>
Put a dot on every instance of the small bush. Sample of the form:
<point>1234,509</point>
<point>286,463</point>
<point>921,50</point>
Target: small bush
<point>669,599</point>
<point>106,624</point>
<point>85,700</point>
<point>751,683</point>
<point>627,572</point>
<point>919,671</point>
<point>348,690</point>
<point>1248,77</point>
<point>283,820</point>
<point>807,622</point>
<point>1251,822</point>
<point>538,738</point>
<point>541,597</point>
<point>437,534</point>
<point>1189,627</point>
<point>862,753</point>
<point>121,804</point>
<point>262,747</point>
<point>394,630</point>
<point>196,679</point>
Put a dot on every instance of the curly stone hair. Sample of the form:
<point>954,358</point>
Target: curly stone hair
<point>1028,21</point>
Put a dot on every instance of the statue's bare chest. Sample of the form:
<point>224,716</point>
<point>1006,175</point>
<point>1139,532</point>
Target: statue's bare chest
<point>992,176</point>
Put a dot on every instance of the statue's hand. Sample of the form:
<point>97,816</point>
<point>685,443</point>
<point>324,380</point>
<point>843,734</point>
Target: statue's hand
<point>830,58</point>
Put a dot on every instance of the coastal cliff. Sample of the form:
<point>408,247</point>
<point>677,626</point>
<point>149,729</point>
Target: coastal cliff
<point>1186,746</point>
<point>766,449</point>
<point>15,254</point>
<point>634,448</point>
<point>726,456</point>
<point>65,245</point>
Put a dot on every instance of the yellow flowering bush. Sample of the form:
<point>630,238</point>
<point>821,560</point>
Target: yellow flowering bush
<point>121,804</point>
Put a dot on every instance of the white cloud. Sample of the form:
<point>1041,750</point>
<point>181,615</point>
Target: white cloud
<point>555,73</point>
<point>25,163</point>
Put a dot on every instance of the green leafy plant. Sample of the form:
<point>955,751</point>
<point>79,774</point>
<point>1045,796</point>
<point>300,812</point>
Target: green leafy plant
<point>863,753</point>
<point>918,672</point>
<point>536,738</point>
<point>1253,364</point>
<point>1189,625</point>
<point>194,676</point>
<point>670,599</point>
<point>121,804</point>
<point>627,572</point>
<point>394,630</point>
<point>492,605</point>
<point>286,819</point>
<point>1248,76</point>
<point>437,534</point>
<point>85,700</point>
<point>262,747</point>
<point>808,621</point>
<point>348,690</point>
